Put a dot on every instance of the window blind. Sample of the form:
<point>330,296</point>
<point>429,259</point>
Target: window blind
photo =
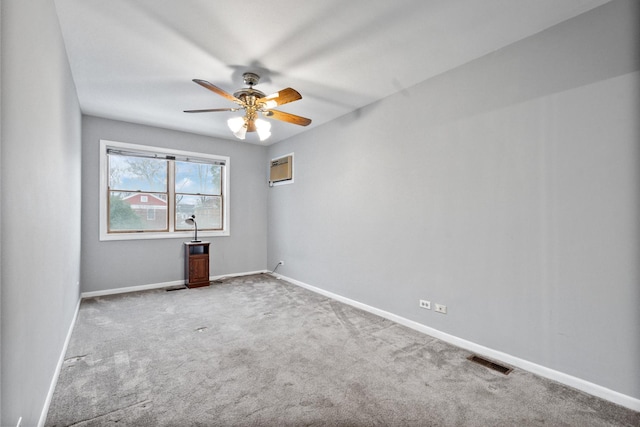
<point>165,156</point>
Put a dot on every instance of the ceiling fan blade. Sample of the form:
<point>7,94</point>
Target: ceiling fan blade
<point>210,110</point>
<point>287,117</point>
<point>217,90</point>
<point>279,98</point>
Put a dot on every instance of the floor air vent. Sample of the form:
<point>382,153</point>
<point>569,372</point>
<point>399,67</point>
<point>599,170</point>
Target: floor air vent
<point>489,364</point>
<point>176,288</point>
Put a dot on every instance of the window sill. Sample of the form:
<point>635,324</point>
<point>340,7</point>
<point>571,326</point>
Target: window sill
<point>153,236</point>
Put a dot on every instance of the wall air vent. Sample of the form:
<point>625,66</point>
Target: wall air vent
<point>489,364</point>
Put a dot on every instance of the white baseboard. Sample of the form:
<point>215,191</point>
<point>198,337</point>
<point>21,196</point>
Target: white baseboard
<point>569,380</point>
<point>131,289</point>
<point>246,273</point>
<point>115,291</point>
<point>54,381</point>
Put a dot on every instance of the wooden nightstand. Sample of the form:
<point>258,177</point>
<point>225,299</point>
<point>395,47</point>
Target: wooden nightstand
<point>196,266</point>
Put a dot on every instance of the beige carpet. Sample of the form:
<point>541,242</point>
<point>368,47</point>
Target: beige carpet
<point>256,351</point>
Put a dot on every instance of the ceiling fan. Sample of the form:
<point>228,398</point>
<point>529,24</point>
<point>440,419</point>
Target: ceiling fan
<point>253,101</point>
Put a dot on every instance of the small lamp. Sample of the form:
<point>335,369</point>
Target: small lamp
<point>192,220</point>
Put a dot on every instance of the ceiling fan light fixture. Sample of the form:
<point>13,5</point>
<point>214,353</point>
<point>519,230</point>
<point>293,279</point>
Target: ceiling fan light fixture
<point>264,135</point>
<point>263,128</point>
<point>240,134</point>
<point>263,125</point>
<point>270,104</point>
<point>235,123</point>
<point>238,126</point>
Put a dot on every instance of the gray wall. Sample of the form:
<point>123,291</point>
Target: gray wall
<point>117,264</point>
<point>507,189</point>
<point>0,211</point>
<point>40,197</point>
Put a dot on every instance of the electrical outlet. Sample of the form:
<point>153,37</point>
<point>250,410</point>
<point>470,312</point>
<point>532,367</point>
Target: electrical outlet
<point>441,308</point>
<point>425,304</point>
<point>281,263</point>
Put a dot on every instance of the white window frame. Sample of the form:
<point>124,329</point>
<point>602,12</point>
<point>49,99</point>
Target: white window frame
<point>171,234</point>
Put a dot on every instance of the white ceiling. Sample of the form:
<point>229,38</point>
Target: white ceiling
<point>133,60</point>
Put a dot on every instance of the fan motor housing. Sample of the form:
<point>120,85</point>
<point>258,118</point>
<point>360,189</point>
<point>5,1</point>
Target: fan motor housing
<point>249,95</point>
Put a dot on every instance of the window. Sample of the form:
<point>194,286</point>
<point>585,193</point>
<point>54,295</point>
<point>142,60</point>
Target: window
<point>148,192</point>
<point>198,192</point>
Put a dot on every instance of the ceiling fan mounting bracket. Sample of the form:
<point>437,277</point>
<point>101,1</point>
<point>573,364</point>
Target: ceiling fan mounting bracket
<point>251,79</point>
